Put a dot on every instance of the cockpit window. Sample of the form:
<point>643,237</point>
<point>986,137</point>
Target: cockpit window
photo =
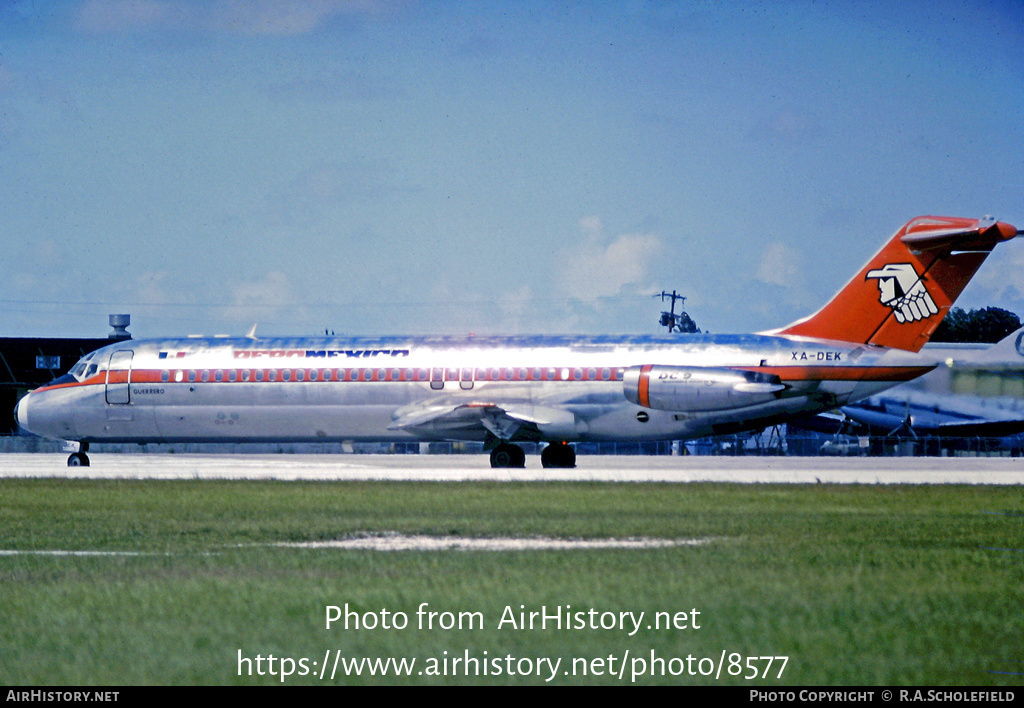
<point>87,367</point>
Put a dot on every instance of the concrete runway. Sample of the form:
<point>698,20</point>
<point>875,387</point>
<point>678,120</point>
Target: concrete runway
<point>447,468</point>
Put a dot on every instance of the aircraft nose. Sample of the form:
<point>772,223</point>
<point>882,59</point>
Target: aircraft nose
<point>17,414</point>
<point>43,417</point>
<point>36,416</point>
<point>21,410</point>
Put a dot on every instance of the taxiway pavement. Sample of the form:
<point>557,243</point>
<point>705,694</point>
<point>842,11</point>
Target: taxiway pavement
<point>597,468</point>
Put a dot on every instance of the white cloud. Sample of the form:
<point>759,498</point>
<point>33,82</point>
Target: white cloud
<point>257,17</point>
<point>780,265</point>
<point>515,309</point>
<point>998,281</point>
<point>272,289</point>
<point>266,299</point>
<point>276,17</point>
<point>595,267</point>
<point>149,287</point>
<point>129,15</point>
<point>785,127</point>
<point>591,225</point>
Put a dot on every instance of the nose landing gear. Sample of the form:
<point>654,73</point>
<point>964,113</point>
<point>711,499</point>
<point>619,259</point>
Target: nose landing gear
<point>79,458</point>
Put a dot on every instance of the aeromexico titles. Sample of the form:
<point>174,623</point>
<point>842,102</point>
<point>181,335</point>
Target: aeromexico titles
<point>507,390</point>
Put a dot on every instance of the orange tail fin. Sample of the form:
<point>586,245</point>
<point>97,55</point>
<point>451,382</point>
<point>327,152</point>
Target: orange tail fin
<point>901,295</point>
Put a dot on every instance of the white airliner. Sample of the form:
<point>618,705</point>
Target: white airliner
<point>504,390</point>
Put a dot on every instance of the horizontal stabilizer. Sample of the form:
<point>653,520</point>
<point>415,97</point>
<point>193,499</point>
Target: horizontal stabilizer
<point>982,236</point>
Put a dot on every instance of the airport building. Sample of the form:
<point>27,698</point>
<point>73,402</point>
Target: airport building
<point>29,362</point>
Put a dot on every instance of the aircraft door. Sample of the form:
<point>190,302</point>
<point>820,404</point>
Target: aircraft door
<point>119,376</point>
<point>437,379</point>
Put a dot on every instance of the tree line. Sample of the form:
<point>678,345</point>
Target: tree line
<point>976,326</point>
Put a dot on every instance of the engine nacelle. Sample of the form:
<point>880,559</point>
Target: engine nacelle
<point>696,389</point>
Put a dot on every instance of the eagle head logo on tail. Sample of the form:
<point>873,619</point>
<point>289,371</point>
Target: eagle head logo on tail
<point>903,290</point>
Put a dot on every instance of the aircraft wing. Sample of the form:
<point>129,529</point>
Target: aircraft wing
<point>941,423</point>
<point>521,421</point>
<point>981,429</point>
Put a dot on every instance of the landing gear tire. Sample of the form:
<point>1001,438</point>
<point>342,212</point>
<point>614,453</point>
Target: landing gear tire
<point>508,455</point>
<point>78,459</point>
<point>558,455</point>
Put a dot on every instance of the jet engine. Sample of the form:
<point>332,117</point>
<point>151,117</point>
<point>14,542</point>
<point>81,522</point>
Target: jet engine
<point>695,388</point>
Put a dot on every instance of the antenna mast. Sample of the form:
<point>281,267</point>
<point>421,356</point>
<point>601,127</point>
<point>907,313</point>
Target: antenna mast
<point>681,322</point>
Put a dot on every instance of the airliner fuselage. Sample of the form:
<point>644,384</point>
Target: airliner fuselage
<point>523,388</point>
<point>504,390</point>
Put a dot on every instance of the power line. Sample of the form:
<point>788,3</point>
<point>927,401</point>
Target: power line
<point>377,304</point>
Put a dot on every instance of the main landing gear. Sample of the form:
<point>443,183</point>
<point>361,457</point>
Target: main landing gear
<point>79,459</point>
<point>559,455</point>
<point>508,455</point>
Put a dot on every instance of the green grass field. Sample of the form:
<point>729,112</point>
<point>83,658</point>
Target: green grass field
<point>856,585</point>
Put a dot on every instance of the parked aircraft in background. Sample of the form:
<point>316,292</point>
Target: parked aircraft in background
<point>953,419</point>
<point>913,415</point>
<point>506,390</point>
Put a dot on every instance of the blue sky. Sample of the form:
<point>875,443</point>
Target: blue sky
<point>403,167</point>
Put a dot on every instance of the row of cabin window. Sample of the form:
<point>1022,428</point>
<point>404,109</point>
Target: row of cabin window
<point>433,375</point>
